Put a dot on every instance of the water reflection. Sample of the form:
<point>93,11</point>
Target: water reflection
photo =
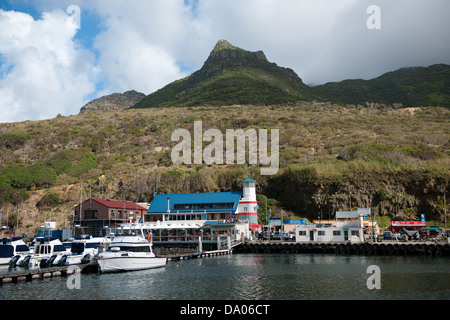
<point>256,277</point>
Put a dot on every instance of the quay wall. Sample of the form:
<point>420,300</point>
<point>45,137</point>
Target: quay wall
<point>367,248</point>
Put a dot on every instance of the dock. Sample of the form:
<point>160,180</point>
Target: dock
<point>196,255</point>
<point>25,275</point>
<point>364,248</point>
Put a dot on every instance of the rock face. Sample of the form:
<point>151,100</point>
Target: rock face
<point>115,101</point>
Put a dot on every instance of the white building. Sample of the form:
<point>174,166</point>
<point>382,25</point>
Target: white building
<point>349,227</point>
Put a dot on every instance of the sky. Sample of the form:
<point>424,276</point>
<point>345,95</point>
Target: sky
<point>57,55</point>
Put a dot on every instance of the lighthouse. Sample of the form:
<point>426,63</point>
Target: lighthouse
<point>248,206</point>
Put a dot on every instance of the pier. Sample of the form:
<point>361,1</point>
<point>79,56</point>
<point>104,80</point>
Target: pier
<point>25,275</point>
<point>196,255</point>
<point>365,248</point>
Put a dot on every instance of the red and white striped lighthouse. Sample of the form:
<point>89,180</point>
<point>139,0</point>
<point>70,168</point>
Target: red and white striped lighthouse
<point>248,206</point>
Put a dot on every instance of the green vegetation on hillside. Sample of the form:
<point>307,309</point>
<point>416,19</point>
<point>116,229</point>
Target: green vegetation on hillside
<point>327,154</point>
<point>411,87</point>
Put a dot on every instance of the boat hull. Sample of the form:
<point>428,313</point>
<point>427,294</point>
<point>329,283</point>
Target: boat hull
<point>5,261</point>
<point>117,263</point>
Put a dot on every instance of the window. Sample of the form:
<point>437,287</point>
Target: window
<point>302,233</point>
<point>113,212</point>
<point>321,233</point>
<point>336,232</point>
<point>355,233</point>
<point>203,206</point>
<point>90,214</point>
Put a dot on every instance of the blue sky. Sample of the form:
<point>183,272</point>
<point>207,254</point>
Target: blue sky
<point>50,66</point>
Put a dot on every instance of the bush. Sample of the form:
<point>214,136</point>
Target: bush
<point>50,200</point>
<point>12,140</point>
<point>60,162</point>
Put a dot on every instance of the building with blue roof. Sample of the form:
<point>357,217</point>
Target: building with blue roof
<point>234,206</point>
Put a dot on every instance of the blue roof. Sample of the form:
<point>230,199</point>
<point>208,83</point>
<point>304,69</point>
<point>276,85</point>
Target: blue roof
<point>249,180</point>
<point>159,203</point>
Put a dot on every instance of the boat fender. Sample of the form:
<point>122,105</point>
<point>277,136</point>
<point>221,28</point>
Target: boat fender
<point>149,238</point>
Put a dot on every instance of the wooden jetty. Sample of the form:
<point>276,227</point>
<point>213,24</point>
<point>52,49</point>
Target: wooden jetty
<point>365,248</point>
<point>24,275</point>
<point>196,255</point>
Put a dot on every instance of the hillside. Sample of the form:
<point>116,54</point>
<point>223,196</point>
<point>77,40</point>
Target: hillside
<point>232,76</point>
<point>398,158</point>
<point>411,87</point>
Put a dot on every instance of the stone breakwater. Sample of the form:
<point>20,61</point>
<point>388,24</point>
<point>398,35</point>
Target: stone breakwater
<point>368,248</point>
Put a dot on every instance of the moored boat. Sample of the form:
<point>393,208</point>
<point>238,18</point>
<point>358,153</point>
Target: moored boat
<point>45,252</point>
<point>12,249</point>
<point>82,250</point>
<point>129,251</point>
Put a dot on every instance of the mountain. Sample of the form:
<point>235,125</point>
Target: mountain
<point>115,101</point>
<point>232,76</point>
<point>411,87</point>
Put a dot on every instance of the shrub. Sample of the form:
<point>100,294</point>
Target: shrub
<point>51,199</point>
<point>12,140</point>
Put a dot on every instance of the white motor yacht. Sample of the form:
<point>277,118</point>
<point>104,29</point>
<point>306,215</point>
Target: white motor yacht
<point>12,249</point>
<point>82,250</point>
<point>45,252</point>
<point>129,251</point>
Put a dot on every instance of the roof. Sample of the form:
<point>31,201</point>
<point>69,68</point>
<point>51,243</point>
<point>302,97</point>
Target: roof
<point>347,214</point>
<point>249,180</point>
<point>159,203</point>
<point>117,204</point>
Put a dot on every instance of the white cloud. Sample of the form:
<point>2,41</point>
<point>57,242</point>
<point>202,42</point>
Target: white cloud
<point>328,40</point>
<point>44,71</point>
<point>146,44</point>
<point>138,46</point>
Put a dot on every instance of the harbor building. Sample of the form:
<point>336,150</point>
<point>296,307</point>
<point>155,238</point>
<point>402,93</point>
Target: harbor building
<point>232,207</point>
<point>207,218</point>
<point>349,226</point>
<point>94,214</point>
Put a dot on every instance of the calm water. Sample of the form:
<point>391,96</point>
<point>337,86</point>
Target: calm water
<point>255,277</point>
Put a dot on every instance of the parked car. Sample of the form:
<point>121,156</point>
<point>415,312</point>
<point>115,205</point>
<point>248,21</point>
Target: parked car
<point>291,236</point>
<point>397,236</point>
<point>276,236</point>
<point>387,235</point>
<point>264,235</point>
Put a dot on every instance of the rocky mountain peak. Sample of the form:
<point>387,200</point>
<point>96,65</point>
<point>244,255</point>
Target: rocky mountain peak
<point>232,76</point>
<point>222,45</point>
<point>224,49</point>
<point>115,101</point>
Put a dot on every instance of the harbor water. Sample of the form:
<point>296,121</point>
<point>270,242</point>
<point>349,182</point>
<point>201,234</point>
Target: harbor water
<point>256,277</point>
